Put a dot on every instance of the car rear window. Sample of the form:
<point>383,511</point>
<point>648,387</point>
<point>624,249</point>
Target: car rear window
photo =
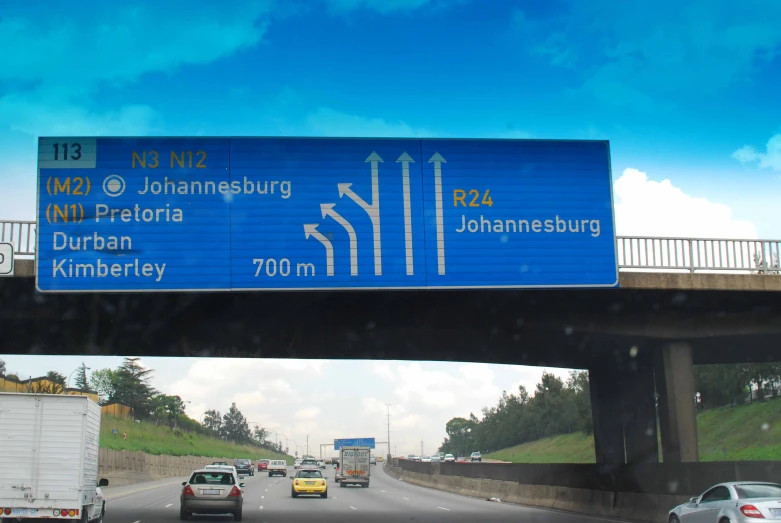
<point>748,491</point>
<point>212,478</point>
<point>309,474</point>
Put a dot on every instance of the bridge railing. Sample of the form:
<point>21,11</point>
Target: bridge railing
<point>20,234</point>
<point>699,254</point>
<point>635,253</point>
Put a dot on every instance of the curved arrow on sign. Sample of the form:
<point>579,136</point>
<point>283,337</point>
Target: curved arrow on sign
<point>328,210</point>
<point>310,229</point>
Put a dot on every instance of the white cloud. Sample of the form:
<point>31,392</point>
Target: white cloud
<point>384,371</point>
<point>328,122</point>
<point>646,207</point>
<point>308,413</point>
<point>770,159</point>
<point>442,390</point>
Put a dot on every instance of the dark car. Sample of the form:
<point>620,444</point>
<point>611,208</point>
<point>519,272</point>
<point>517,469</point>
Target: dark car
<point>244,466</point>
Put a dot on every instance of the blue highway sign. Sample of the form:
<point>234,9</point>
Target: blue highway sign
<point>222,214</point>
<point>353,442</point>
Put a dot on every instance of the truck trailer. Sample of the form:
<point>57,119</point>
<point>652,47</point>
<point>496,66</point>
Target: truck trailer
<point>49,456</point>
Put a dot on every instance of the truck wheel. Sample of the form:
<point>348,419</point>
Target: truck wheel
<point>341,484</point>
<point>102,514</point>
<point>84,515</point>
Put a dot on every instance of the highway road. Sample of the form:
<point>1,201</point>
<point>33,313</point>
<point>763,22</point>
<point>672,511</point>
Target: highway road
<point>268,500</point>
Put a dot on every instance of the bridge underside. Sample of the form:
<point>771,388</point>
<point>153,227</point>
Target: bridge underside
<point>567,328</point>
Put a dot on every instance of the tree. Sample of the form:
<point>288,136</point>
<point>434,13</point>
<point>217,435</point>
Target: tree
<point>132,387</point>
<point>104,382</point>
<point>234,426</point>
<point>57,381</point>
<point>2,368</point>
<point>212,420</point>
<point>80,380</point>
<point>167,409</point>
<point>260,434</point>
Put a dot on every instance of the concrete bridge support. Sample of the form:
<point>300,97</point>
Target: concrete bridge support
<point>631,397</point>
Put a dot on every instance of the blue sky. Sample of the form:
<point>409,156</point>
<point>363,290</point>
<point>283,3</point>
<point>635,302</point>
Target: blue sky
<point>685,92</point>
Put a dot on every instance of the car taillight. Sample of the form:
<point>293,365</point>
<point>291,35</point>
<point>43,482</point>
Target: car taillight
<point>296,482</point>
<point>235,492</point>
<point>188,491</point>
<point>750,511</point>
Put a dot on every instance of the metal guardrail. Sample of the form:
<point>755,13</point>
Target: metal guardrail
<point>634,252</point>
<point>699,254</point>
<point>20,234</point>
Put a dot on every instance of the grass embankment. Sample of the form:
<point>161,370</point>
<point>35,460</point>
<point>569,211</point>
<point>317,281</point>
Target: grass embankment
<point>725,434</point>
<point>154,439</point>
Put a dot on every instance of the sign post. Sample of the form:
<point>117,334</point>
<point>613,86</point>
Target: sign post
<point>239,214</point>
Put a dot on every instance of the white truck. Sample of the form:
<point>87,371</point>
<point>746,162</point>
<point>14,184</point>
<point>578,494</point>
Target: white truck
<point>49,458</point>
<point>354,468</point>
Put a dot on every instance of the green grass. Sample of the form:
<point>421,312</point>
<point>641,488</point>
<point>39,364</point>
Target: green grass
<point>724,434</point>
<point>154,439</point>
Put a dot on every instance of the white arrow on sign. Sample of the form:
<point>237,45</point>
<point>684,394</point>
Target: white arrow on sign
<point>438,161</point>
<point>328,210</point>
<point>405,160</point>
<point>310,229</point>
<point>372,210</point>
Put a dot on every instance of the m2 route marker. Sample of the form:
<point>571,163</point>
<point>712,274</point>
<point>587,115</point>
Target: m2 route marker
<point>238,214</point>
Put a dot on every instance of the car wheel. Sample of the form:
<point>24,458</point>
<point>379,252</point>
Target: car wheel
<point>324,495</point>
<point>674,519</point>
<point>183,514</point>
<point>237,515</point>
<point>293,493</point>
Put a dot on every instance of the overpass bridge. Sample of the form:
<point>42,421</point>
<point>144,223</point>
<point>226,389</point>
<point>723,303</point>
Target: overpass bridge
<point>682,301</point>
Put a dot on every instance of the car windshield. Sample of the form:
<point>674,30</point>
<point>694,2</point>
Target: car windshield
<point>212,478</point>
<point>753,491</point>
<point>309,474</point>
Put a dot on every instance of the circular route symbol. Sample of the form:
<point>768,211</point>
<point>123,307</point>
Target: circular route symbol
<point>114,185</point>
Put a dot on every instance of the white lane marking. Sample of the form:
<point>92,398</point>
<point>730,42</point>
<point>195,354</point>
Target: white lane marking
<point>262,497</point>
<point>335,497</point>
<point>443,508</point>
<point>139,521</point>
<point>261,507</point>
<point>350,507</point>
<point>382,491</point>
<point>266,490</point>
<point>169,505</point>
<point>406,499</point>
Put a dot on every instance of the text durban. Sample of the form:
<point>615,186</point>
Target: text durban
<point>484,225</point>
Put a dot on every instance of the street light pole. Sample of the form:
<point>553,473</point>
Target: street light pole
<point>68,382</point>
<point>307,444</point>
<point>389,445</point>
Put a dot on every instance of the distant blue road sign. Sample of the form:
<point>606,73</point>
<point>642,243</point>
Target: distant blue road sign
<point>353,442</point>
<point>179,214</point>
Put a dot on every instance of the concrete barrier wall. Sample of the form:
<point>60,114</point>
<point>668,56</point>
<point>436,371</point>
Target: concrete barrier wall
<point>643,493</point>
<point>122,467</point>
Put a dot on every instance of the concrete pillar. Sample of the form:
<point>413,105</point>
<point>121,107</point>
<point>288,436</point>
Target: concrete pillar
<point>604,383</point>
<point>677,415</point>
<point>639,412</point>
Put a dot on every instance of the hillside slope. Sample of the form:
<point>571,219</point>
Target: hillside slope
<point>154,439</point>
<point>745,433</point>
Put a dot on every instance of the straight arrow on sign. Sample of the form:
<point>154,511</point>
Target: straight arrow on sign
<point>328,210</point>
<point>310,229</point>
<point>438,161</point>
<point>405,160</point>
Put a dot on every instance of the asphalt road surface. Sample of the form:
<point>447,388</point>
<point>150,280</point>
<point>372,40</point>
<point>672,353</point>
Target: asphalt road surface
<point>268,500</point>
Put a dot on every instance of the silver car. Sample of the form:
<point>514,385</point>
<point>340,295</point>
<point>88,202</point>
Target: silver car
<point>736,502</point>
<point>211,491</point>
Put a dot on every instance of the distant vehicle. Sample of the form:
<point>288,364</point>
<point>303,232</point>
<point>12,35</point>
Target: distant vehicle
<point>49,457</point>
<point>277,467</point>
<point>229,468</point>
<point>435,459</point>
<point>263,464</point>
<point>220,463</point>
<point>309,463</point>
<point>354,466</point>
<point>379,458</point>
<point>372,460</point>
<point>461,459</point>
<point>449,458</point>
<point>736,502</point>
<point>425,459</point>
<point>297,464</point>
<point>475,457</point>
<point>244,466</point>
<point>309,481</point>
<point>320,464</point>
<point>211,492</point>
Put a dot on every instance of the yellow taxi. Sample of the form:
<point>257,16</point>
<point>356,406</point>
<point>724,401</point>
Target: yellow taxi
<point>309,481</point>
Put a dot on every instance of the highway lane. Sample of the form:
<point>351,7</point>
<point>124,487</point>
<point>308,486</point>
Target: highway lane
<point>268,500</point>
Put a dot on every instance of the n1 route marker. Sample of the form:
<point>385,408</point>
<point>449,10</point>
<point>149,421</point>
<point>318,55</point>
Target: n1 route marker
<point>238,214</point>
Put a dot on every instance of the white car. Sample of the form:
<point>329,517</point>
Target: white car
<point>449,458</point>
<point>425,459</point>
<point>736,502</point>
<point>321,463</point>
